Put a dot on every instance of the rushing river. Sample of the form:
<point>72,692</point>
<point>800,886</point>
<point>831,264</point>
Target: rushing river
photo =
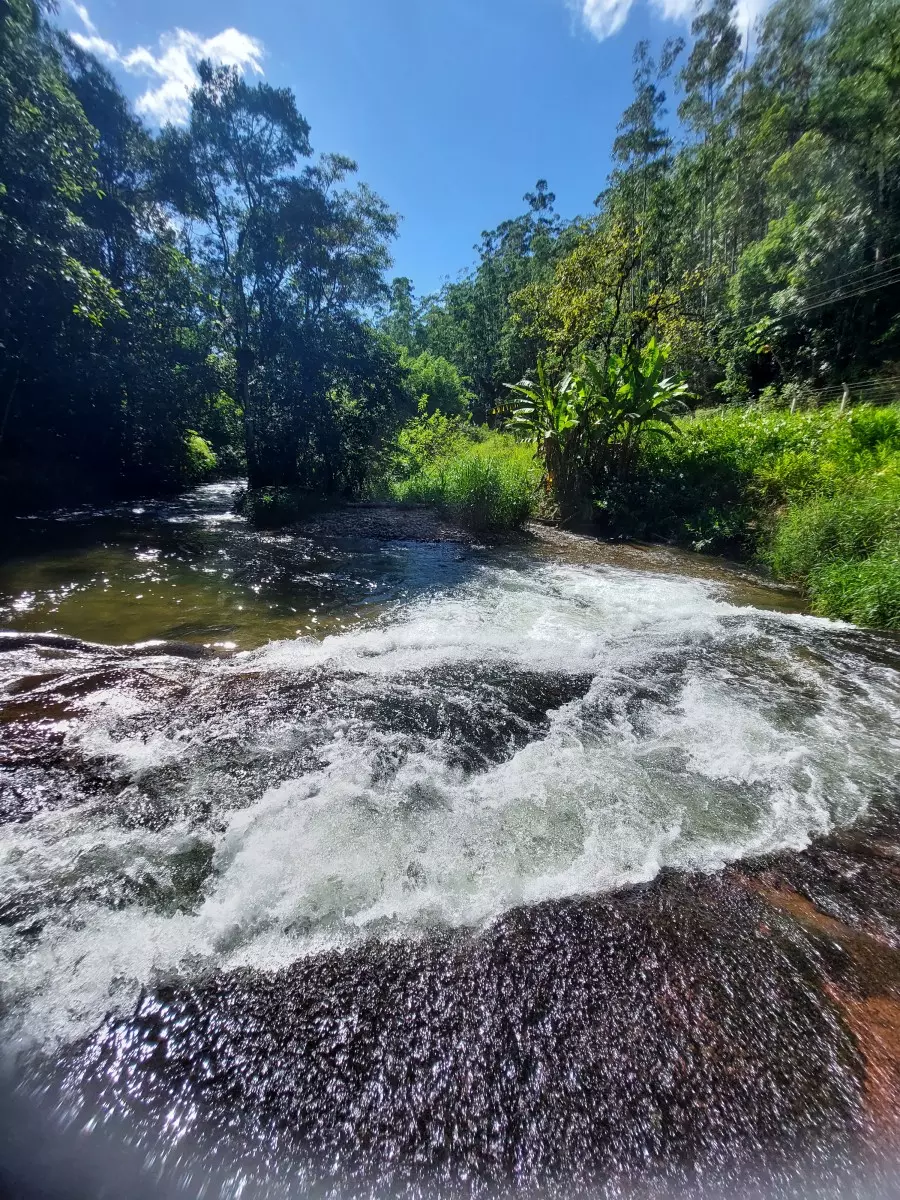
<point>335,865</point>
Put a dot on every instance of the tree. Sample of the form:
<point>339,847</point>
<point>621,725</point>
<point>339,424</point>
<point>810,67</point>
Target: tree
<point>293,258</point>
<point>401,318</point>
<point>46,273</point>
<point>436,385</point>
<point>231,171</point>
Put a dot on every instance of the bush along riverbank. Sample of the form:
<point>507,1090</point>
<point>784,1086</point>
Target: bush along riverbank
<point>814,496</point>
<point>485,479</point>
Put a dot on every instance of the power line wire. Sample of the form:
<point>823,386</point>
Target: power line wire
<point>856,284</point>
<point>885,282</point>
<point>818,301</point>
<point>871,268</point>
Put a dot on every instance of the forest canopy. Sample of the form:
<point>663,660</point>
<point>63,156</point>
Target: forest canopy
<point>218,297</point>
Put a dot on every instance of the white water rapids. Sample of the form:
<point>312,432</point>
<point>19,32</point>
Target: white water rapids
<point>534,732</point>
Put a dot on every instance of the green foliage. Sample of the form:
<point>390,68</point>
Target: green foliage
<point>486,480</point>
<point>200,459</point>
<point>472,322</point>
<point>435,384</point>
<point>762,250</point>
<point>866,591</point>
<point>848,526</point>
<point>557,419</point>
<point>632,400</point>
<point>293,258</point>
<point>203,279</point>
<point>424,440</point>
<point>589,427</point>
<point>814,494</point>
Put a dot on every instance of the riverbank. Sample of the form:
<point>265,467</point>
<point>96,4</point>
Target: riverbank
<point>813,496</point>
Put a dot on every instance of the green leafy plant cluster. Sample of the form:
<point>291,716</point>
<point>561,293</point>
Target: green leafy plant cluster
<point>590,425</point>
<point>200,459</point>
<point>814,495</point>
<point>485,479</point>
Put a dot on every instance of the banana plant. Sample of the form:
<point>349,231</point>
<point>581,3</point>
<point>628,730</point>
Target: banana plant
<point>647,402</point>
<point>553,417</point>
<point>590,424</point>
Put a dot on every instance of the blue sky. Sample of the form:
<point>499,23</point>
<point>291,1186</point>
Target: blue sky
<point>453,108</point>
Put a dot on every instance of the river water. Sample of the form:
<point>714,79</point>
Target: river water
<point>342,865</point>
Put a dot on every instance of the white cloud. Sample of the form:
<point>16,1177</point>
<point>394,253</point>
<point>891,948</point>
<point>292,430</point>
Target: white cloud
<point>748,11</point>
<point>603,18</point>
<point>172,66</point>
<point>675,10</point>
<point>83,15</point>
<point>95,45</point>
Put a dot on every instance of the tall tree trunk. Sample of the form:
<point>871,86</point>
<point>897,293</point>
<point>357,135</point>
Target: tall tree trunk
<point>255,468</point>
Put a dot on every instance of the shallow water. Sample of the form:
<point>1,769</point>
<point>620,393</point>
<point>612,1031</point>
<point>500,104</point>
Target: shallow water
<point>192,570</point>
<point>428,770</point>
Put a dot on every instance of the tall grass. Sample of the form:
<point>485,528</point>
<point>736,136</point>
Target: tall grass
<point>486,480</point>
<point>487,486</point>
<point>845,527</point>
<point>866,591</point>
<point>845,551</point>
<point>815,495</point>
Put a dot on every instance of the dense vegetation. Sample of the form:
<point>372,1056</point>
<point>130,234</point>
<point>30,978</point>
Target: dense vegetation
<point>170,299</point>
<point>752,237</point>
<point>813,494</point>
<point>212,297</point>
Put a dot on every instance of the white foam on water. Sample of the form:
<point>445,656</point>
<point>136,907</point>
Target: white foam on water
<point>704,735</point>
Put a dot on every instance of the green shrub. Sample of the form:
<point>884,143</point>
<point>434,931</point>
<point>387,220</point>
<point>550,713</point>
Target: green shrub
<point>436,385</point>
<point>199,457</point>
<point>814,494</point>
<point>488,484</point>
<point>865,591</point>
<point>424,440</point>
<point>719,483</point>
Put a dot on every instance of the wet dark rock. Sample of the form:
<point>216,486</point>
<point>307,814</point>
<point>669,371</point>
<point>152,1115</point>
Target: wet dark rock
<point>732,1034</point>
<point>659,1033</point>
<point>387,522</point>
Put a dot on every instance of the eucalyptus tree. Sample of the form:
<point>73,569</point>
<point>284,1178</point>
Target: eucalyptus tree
<point>400,315</point>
